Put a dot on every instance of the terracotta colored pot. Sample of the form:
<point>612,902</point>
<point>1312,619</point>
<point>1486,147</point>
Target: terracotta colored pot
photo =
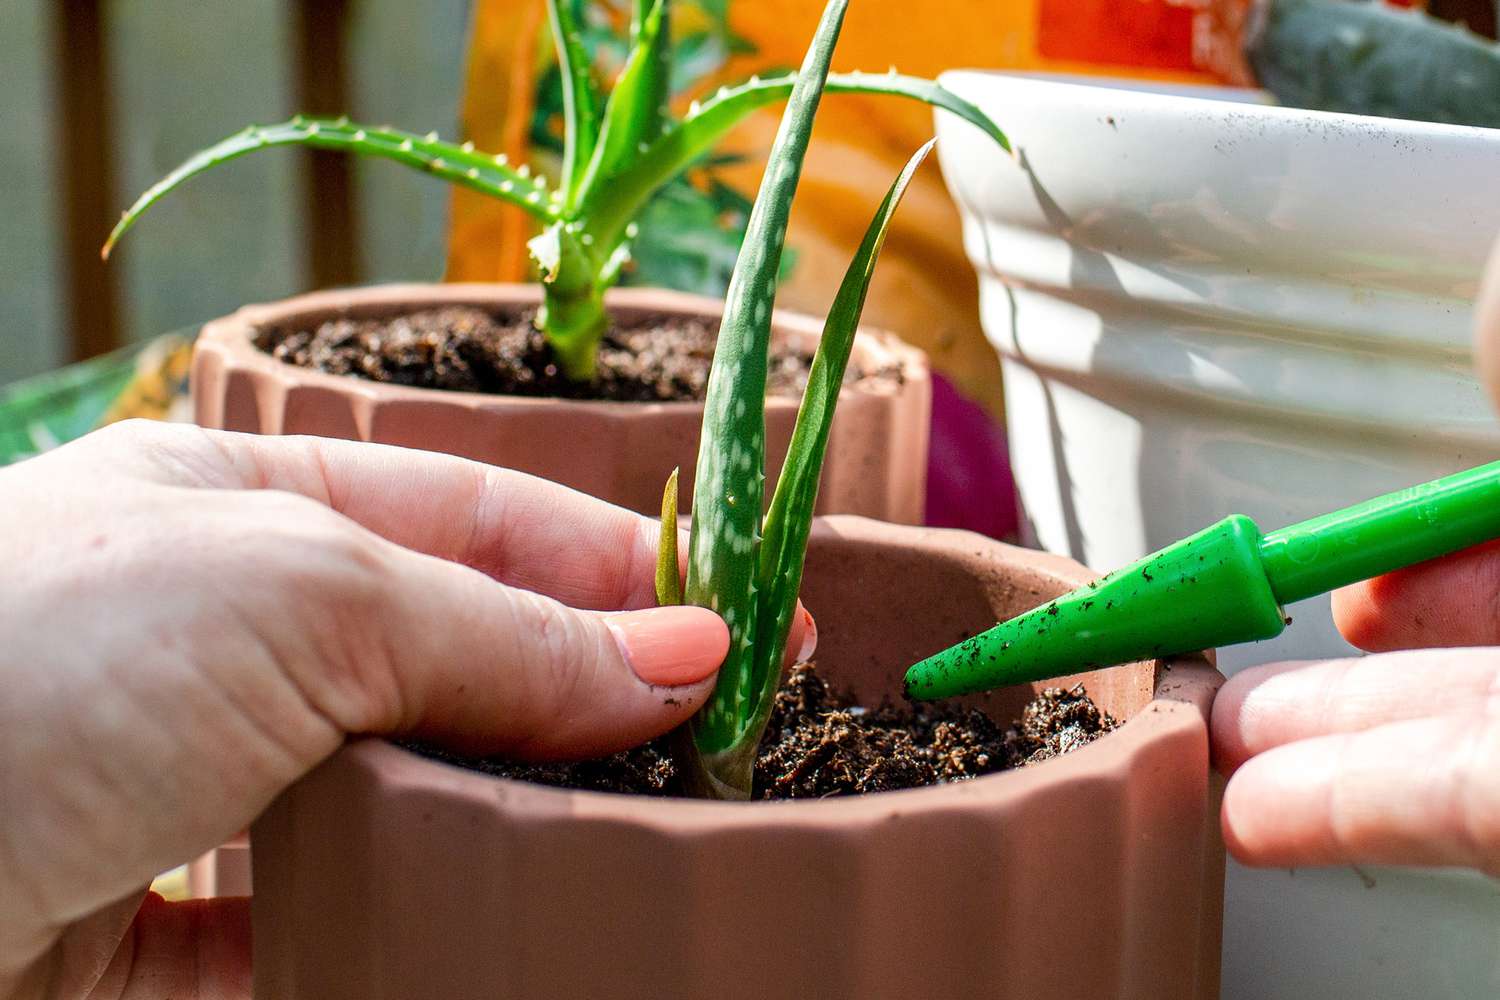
<point>622,452</point>
<point>384,876</point>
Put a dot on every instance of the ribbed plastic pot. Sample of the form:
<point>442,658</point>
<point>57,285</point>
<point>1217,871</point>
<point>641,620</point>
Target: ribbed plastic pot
<point>621,452</point>
<point>1205,305</point>
<point>385,876</point>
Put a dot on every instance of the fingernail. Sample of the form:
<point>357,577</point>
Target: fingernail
<point>809,637</point>
<point>671,646</point>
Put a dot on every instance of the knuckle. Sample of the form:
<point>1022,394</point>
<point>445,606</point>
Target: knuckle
<point>321,554</point>
<point>337,593</point>
<point>564,674</point>
<point>554,638</point>
<point>181,453</point>
<point>131,430</point>
<point>125,438</point>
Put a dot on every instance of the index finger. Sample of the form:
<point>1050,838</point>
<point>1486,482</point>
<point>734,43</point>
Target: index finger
<point>517,529</point>
<point>520,530</point>
<point>1268,706</point>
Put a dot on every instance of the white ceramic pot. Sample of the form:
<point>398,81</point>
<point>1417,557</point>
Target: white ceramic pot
<point>1205,305</point>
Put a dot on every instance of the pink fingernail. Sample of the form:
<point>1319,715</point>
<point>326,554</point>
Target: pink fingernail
<point>809,637</point>
<point>671,646</point>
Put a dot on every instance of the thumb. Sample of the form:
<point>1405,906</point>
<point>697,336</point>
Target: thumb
<point>486,668</point>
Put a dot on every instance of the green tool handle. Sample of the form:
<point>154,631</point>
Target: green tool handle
<point>1384,534</point>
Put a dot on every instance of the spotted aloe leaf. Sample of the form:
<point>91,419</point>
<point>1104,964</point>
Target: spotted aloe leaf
<point>752,581</point>
<point>731,457</point>
<point>784,542</point>
<point>695,780</point>
<point>490,175</point>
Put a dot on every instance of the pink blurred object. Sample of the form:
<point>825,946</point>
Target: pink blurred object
<point>224,871</point>
<point>969,482</point>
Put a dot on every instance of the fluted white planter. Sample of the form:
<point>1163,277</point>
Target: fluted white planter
<point>1205,305</point>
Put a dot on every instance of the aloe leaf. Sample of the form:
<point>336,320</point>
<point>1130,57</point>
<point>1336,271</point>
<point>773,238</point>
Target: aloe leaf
<point>695,779</point>
<point>668,578</point>
<point>784,547</point>
<point>580,96</point>
<point>731,458</point>
<point>640,10</point>
<point>658,78</point>
<point>634,113</point>
<point>457,164</point>
<point>706,124</point>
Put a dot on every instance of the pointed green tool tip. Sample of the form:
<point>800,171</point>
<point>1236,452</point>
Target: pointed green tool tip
<point>1207,590</point>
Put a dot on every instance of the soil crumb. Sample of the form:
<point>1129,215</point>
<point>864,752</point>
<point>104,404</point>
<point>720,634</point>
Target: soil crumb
<point>820,744</point>
<point>467,349</point>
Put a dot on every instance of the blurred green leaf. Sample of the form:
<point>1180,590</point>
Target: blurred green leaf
<point>40,413</point>
<point>691,231</point>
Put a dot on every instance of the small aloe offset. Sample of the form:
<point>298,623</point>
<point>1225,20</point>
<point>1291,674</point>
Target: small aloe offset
<point>746,566</point>
<point>620,149</point>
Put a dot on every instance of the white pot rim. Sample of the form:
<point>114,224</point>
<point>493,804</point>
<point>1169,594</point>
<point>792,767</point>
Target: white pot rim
<point>1188,98</point>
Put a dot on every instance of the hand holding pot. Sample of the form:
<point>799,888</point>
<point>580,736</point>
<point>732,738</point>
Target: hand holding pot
<point>192,620</point>
<point>1390,759</point>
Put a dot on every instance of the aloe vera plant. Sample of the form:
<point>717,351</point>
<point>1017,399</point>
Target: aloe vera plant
<point>745,565</point>
<point>620,149</point>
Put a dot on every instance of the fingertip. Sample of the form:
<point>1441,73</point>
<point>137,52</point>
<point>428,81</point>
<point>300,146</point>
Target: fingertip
<point>802,638</point>
<point>1271,814</point>
<point>1225,736</point>
<point>1247,820</point>
<point>1357,613</point>
<point>1248,713</point>
<point>1230,824</point>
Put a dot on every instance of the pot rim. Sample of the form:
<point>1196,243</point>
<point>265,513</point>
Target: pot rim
<point>229,336</point>
<point>1213,103</point>
<point>1184,689</point>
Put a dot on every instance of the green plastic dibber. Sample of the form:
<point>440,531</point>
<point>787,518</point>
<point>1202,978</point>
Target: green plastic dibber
<point>1223,586</point>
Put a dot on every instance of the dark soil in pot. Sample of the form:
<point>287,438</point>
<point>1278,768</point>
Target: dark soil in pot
<point>664,358</point>
<point>820,744</point>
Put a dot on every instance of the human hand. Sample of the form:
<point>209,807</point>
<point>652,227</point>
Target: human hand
<point>1389,759</point>
<point>1392,758</point>
<point>193,620</point>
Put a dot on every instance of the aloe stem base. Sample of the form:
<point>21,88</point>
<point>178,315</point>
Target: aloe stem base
<point>574,322</point>
<point>707,778</point>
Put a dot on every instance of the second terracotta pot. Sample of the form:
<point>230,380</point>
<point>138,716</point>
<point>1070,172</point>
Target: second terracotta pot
<point>621,452</point>
<point>1099,874</point>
